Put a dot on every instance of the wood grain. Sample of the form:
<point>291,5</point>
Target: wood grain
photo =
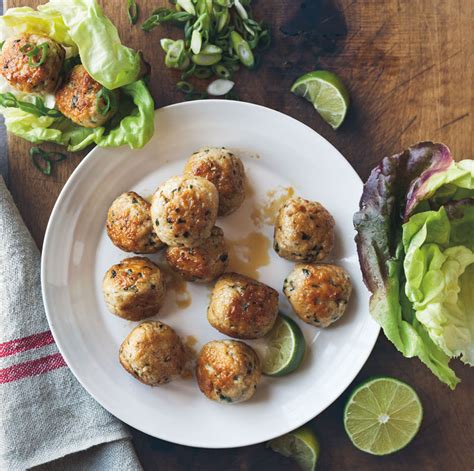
<point>408,64</point>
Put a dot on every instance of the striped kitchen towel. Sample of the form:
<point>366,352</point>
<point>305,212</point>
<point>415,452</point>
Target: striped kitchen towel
<point>47,420</point>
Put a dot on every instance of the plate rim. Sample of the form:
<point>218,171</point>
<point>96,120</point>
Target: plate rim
<point>71,181</point>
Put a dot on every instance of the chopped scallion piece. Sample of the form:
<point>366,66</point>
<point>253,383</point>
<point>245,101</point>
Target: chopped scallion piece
<point>132,11</point>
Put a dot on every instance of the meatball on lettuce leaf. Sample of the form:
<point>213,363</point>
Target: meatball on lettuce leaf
<point>90,38</point>
<point>415,239</point>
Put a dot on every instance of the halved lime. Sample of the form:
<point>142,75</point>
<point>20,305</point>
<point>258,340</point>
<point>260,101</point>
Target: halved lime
<point>300,445</point>
<point>326,92</point>
<point>285,347</point>
<point>382,415</point>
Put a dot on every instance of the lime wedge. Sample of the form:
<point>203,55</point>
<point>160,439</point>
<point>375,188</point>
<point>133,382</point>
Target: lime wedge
<point>300,445</point>
<point>382,415</point>
<point>285,347</point>
<point>326,92</point>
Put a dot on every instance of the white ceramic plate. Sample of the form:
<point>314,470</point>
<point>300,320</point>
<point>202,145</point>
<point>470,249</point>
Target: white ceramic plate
<point>277,151</point>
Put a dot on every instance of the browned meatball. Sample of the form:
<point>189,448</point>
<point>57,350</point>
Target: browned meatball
<point>32,63</point>
<point>228,371</point>
<point>241,307</point>
<point>202,263</point>
<point>304,231</point>
<point>184,211</point>
<point>129,225</point>
<point>134,289</point>
<point>85,101</point>
<point>153,353</point>
<point>318,293</point>
<point>225,170</point>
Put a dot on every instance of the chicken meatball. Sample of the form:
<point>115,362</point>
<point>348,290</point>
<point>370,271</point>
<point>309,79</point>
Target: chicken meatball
<point>129,225</point>
<point>228,371</point>
<point>304,231</point>
<point>85,101</point>
<point>32,63</point>
<point>184,210</point>
<point>134,289</point>
<point>225,170</point>
<point>241,307</point>
<point>153,353</point>
<point>203,263</point>
<point>318,293</point>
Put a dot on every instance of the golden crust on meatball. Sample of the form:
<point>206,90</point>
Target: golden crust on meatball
<point>85,101</point>
<point>153,353</point>
<point>228,371</point>
<point>319,293</point>
<point>184,211</point>
<point>134,289</point>
<point>32,63</point>
<point>304,231</point>
<point>225,170</point>
<point>129,225</point>
<point>202,263</point>
<point>241,307</point>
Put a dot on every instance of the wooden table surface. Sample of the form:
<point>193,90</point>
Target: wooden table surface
<point>408,65</point>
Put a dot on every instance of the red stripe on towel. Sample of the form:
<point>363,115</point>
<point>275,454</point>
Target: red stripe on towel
<point>26,343</point>
<point>31,368</point>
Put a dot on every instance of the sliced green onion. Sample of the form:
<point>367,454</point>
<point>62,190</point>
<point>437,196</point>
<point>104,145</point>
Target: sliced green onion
<point>196,42</point>
<point>187,5</point>
<point>242,49</point>
<point>176,57</point>
<point>132,11</point>
<point>44,166</point>
<point>206,59</point>
<point>32,51</point>
<point>211,49</point>
<point>188,72</point>
<point>219,36</point>
<point>38,108</point>
<point>220,87</point>
<point>107,98</point>
<point>184,87</point>
<point>223,20</point>
<point>222,71</point>
<point>202,72</point>
<point>43,160</point>
<point>165,15</point>
<point>166,43</point>
<point>241,10</point>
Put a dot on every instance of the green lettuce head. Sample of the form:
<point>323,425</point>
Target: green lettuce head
<point>82,28</point>
<point>415,239</point>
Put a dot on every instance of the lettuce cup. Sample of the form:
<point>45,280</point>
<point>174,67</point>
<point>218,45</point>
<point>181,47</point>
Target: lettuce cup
<point>66,78</point>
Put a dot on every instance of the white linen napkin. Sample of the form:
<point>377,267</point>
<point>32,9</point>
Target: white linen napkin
<point>46,418</point>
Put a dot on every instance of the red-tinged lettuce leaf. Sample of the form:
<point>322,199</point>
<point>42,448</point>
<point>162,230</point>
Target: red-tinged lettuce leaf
<point>379,232</point>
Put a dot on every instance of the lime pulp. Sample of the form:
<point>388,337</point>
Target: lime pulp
<point>326,92</point>
<point>285,348</point>
<point>382,415</point>
<point>300,445</point>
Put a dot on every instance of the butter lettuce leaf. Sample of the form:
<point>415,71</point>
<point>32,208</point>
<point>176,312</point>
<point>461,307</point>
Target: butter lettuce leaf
<point>440,276</point>
<point>103,55</point>
<point>132,125</point>
<point>27,20</point>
